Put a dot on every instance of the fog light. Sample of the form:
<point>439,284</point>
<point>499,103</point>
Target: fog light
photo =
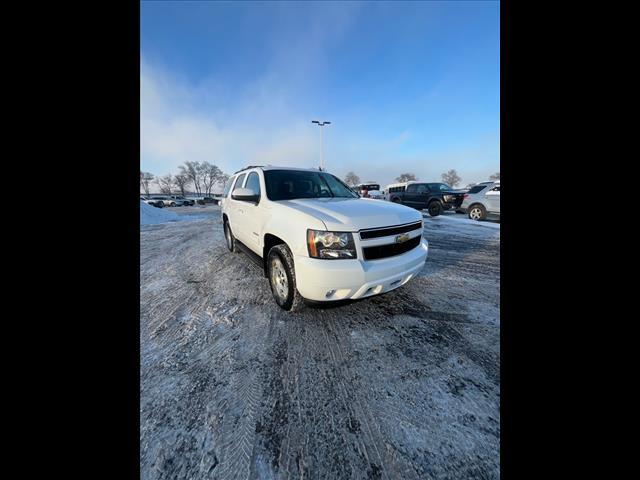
<point>329,293</point>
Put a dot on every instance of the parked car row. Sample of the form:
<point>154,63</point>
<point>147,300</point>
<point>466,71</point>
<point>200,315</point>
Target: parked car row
<point>214,199</point>
<point>477,201</point>
<point>179,201</point>
<point>168,201</point>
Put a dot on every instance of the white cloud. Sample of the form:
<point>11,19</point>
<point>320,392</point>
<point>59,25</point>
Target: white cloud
<point>260,128</point>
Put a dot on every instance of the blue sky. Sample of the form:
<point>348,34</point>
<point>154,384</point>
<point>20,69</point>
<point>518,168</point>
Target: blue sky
<point>408,86</point>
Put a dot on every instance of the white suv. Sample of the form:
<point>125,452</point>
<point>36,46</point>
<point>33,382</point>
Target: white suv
<point>482,199</point>
<point>315,239</point>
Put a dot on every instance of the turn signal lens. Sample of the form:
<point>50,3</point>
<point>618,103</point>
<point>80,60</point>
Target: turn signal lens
<point>311,243</point>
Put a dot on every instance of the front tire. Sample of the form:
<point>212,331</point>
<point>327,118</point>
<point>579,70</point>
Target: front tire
<point>477,212</point>
<point>434,209</point>
<point>229,238</point>
<point>282,279</point>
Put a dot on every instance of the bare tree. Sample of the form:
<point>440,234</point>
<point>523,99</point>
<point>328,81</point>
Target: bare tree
<point>495,176</point>
<point>223,179</point>
<point>165,183</point>
<point>451,178</point>
<point>193,171</point>
<point>145,179</point>
<point>210,176</point>
<point>351,179</point>
<point>180,181</point>
<point>406,177</point>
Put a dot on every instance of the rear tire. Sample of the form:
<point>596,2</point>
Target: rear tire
<point>282,279</point>
<point>395,200</point>
<point>172,204</point>
<point>434,208</point>
<point>477,212</point>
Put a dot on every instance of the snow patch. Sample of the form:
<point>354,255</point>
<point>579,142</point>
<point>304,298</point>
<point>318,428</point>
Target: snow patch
<point>152,215</point>
<point>463,220</point>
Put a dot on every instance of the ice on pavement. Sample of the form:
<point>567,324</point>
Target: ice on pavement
<point>462,219</point>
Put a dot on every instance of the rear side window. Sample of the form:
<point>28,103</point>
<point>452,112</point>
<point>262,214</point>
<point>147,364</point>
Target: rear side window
<point>253,182</point>
<point>477,189</point>
<point>227,186</point>
<point>412,189</point>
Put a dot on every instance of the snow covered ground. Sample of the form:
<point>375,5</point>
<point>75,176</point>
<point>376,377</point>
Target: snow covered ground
<point>491,222</point>
<point>150,215</point>
<point>400,386</point>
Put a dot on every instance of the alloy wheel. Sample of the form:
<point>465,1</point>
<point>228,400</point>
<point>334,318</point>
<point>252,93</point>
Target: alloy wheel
<point>279,279</point>
<point>475,213</point>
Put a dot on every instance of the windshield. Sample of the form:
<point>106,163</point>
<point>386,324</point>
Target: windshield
<point>290,184</point>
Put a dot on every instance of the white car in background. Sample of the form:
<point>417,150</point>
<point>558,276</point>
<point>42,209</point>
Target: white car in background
<point>153,203</point>
<point>376,195</point>
<point>482,199</point>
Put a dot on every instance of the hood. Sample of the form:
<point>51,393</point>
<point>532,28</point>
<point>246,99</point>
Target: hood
<point>353,214</point>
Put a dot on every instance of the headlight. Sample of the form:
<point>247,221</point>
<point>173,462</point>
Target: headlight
<point>449,198</point>
<point>330,245</point>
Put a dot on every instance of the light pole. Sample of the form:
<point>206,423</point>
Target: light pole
<point>321,124</point>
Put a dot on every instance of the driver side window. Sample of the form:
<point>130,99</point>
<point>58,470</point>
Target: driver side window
<point>253,182</point>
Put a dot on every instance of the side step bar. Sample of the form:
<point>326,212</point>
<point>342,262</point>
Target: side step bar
<point>253,256</point>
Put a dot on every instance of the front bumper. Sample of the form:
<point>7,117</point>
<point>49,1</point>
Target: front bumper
<point>330,280</point>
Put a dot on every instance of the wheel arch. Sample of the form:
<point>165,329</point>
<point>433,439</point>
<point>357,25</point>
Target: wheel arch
<point>476,204</point>
<point>269,241</point>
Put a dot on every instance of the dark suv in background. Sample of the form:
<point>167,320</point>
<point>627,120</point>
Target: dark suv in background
<point>434,197</point>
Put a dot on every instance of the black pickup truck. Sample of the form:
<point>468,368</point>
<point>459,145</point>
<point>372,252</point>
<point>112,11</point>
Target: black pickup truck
<point>435,197</point>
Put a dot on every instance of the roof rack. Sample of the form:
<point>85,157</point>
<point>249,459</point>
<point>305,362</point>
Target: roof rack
<point>247,168</point>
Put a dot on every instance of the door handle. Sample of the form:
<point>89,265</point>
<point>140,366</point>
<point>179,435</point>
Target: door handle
<point>240,210</point>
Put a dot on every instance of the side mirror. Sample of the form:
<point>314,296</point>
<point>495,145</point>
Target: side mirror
<point>245,195</point>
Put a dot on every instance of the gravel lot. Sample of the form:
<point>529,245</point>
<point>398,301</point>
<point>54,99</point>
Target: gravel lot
<point>400,386</point>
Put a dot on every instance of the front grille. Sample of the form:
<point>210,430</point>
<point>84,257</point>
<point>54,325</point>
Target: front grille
<point>387,231</point>
<point>391,249</point>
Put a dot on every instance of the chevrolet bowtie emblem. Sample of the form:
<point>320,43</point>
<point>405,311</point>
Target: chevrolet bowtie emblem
<point>402,238</point>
